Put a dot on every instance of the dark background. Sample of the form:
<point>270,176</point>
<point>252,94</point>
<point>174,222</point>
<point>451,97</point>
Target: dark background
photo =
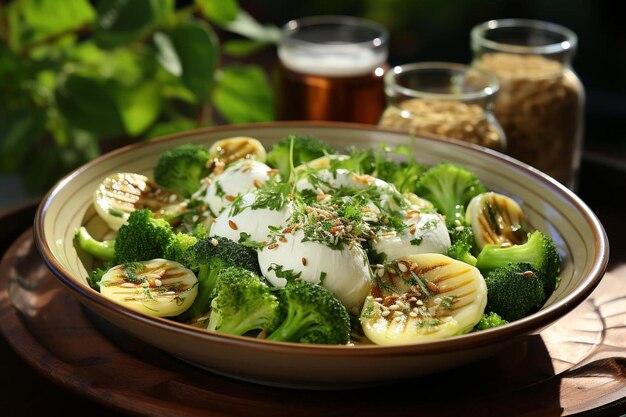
<point>438,30</point>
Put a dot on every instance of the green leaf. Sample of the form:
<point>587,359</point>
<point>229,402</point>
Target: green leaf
<point>121,22</point>
<point>197,48</point>
<point>89,105</point>
<point>166,54</point>
<point>243,94</point>
<point>247,26</point>
<point>139,106</point>
<point>20,130</point>
<point>173,126</point>
<point>49,16</point>
<point>219,11</point>
<point>243,47</point>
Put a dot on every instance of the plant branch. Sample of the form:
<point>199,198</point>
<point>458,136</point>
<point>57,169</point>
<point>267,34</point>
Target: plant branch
<point>50,39</point>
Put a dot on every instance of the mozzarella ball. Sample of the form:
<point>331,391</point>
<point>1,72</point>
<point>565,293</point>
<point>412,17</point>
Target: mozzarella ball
<point>344,272</point>
<point>424,233</point>
<point>254,221</point>
<point>238,178</point>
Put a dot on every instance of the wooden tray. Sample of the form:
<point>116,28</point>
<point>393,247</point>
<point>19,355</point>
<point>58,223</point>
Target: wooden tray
<point>577,365</point>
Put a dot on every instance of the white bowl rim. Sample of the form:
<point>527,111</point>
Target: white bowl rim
<point>518,328</point>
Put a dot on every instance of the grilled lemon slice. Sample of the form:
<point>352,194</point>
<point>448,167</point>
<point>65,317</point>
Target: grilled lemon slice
<point>495,219</point>
<point>422,298</point>
<point>157,287</point>
<point>120,194</point>
<point>231,149</point>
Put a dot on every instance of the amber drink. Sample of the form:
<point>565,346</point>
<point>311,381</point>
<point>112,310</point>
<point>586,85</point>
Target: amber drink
<point>332,68</point>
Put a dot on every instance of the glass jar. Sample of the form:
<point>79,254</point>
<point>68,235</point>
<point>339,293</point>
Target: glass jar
<point>443,99</point>
<point>331,68</point>
<point>541,99</point>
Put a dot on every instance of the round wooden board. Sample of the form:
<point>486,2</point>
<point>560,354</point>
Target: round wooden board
<point>576,366</point>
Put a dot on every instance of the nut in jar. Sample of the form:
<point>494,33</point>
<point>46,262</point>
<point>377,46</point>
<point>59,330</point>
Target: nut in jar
<point>443,99</point>
<point>541,99</point>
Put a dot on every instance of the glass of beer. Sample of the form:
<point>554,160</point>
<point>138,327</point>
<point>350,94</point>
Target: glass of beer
<point>331,68</point>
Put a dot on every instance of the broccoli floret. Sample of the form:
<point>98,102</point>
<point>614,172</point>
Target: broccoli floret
<point>450,188</point>
<point>207,257</point>
<point>142,238</point>
<point>104,250</point>
<point>94,278</point>
<point>177,248</point>
<point>489,321</point>
<point>243,303</point>
<point>462,243</point>
<point>539,251</point>
<point>305,149</point>
<point>182,168</point>
<point>313,315</point>
<point>514,290</point>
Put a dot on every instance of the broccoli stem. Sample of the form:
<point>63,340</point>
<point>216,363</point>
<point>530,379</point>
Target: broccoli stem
<point>293,327</point>
<point>207,278</point>
<point>104,250</point>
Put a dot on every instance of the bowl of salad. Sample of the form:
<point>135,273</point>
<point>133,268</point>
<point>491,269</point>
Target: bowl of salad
<point>320,255</point>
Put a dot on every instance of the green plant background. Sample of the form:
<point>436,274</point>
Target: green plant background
<point>78,78</point>
<point>81,77</point>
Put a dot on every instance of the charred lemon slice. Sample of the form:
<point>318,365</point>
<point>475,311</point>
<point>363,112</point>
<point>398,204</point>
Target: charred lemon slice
<point>495,219</point>
<point>231,149</point>
<point>120,194</point>
<point>423,298</point>
<point>157,287</point>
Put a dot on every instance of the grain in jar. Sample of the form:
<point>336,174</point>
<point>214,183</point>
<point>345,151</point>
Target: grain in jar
<point>443,99</point>
<point>541,99</point>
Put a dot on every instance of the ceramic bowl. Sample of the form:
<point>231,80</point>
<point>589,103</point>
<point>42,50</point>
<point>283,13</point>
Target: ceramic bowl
<point>548,206</point>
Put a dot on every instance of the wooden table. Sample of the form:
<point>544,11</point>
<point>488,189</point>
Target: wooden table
<point>570,369</point>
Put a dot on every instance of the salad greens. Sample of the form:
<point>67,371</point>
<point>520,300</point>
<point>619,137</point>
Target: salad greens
<point>310,244</point>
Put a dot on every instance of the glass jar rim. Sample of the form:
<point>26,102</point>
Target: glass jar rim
<point>478,38</point>
<point>291,27</point>
<point>488,91</point>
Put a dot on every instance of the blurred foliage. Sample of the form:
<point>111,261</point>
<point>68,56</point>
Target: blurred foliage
<point>76,75</point>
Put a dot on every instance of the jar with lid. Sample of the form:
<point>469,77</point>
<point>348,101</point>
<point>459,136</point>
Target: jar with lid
<point>443,99</point>
<point>541,99</point>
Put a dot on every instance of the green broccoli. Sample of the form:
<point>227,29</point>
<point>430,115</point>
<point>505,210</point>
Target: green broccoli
<point>313,315</point>
<point>243,303</point>
<point>489,321</point>
<point>177,248</point>
<point>462,239</point>
<point>514,290</point>
<point>142,238</point>
<point>182,168</point>
<point>305,149</point>
<point>539,251</point>
<point>207,257</point>
<point>94,278</point>
<point>450,188</point>
<point>104,250</point>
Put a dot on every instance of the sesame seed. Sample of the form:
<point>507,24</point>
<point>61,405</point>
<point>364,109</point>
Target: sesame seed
<point>273,246</point>
<point>229,197</point>
<point>459,228</point>
<point>419,302</point>
<point>158,282</point>
<point>304,261</point>
<point>127,285</point>
<point>413,314</point>
<point>528,274</point>
<point>173,198</point>
<point>378,299</point>
<point>437,300</point>
<point>232,225</point>
<point>412,229</point>
<point>385,313</point>
<point>397,319</point>
<point>402,267</point>
<point>398,314</point>
<point>400,304</point>
<point>380,272</point>
<point>214,242</point>
<point>283,239</point>
<point>394,307</point>
<point>257,182</point>
<point>505,245</point>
